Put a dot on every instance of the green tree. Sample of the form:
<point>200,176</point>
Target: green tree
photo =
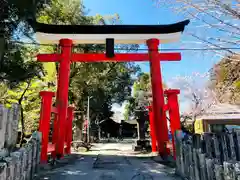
<point>107,83</point>
<point>26,95</point>
<point>14,16</point>
<point>16,61</point>
<point>136,105</point>
<point>26,80</point>
<point>142,93</point>
<point>16,67</point>
<point>25,90</point>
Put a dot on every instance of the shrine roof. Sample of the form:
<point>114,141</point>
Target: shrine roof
<point>222,111</point>
<point>97,34</point>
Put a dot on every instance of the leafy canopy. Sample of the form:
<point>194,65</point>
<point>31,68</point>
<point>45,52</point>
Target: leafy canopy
<point>107,83</point>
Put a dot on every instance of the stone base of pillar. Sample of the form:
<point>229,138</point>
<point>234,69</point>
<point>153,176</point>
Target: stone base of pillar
<point>142,145</point>
<point>154,154</point>
<point>158,159</point>
<point>168,160</point>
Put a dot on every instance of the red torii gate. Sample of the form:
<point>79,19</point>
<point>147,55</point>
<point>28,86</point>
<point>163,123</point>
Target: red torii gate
<point>50,33</point>
<point>173,108</point>
<point>44,127</point>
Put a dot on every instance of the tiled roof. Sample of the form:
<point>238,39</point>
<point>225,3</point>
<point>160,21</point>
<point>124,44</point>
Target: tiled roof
<point>222,111</point>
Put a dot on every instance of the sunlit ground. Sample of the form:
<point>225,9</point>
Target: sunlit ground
<point>112,161</point>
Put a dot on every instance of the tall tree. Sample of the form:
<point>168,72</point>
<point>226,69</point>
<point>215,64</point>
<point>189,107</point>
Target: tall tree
<point>14,15</point>
<point>25,92</point>
<point>141,96</point>
<point>16,61</point>
<point>107,83</point>
<point>136,104</point>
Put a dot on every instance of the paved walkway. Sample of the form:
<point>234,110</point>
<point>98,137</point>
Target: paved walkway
<point>111,162</point>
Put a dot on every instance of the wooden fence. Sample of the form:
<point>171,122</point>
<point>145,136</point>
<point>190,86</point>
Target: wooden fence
<point>17,163</point>
<point>208,156</point>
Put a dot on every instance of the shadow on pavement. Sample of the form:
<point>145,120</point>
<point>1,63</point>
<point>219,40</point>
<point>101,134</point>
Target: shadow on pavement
<point>106,167</point>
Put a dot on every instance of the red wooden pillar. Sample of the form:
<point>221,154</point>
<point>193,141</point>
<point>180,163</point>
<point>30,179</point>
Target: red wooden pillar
<point>54,135</point>
<point>69,129</point>
<point>160,121</point>
<point>62,100</point>
<point>44,124</point>
<point>55,128</point>
<point>172,95</point>
<point>152,130</point>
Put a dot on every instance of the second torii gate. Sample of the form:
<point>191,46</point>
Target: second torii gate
<point>67,35</point>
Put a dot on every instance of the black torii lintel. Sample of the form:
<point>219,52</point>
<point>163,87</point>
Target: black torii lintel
<point>97,34</point>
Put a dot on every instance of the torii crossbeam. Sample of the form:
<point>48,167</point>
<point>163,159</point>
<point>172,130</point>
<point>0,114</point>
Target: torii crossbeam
<point>67,35</point>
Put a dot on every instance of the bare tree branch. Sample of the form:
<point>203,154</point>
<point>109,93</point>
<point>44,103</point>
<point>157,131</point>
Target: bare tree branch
<point>212,25</point>
<point>206,12</point>
<point>208,42</point>
<point>215,23</point>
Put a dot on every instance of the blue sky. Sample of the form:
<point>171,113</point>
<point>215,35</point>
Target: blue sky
<point>146,12</point>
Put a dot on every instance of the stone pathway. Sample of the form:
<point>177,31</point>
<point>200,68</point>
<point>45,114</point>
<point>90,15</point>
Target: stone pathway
<point>111,162</point>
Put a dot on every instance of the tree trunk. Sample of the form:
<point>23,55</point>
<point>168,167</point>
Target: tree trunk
<point>23,127</point>
<point>2,48</point>
<point>22,117</point>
